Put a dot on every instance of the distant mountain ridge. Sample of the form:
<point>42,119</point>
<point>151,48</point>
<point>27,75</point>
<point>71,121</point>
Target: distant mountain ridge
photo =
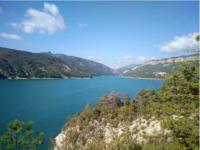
<point>122,69</point>
<point>21,64</point>
<point>173,59</point>
<point>158,68</point>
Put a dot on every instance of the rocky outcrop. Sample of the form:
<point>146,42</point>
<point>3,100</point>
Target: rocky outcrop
<point>139,129</point>
<point>158,68</point>
<point>173,60</point>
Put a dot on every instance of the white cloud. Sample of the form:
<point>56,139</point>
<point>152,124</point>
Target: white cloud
<point>93,58</point>
<point>127,60</point>
<point>185,43</point>
<point>90,57</point>
<point>10,36</point>
<point>141,58</point>
<point>51,8</point>
<point>14,24</point>
<point>128,57</point>
<point>83,25</point>
<point>47,21</point>
<point>152,58</point>
<point>123,61</point>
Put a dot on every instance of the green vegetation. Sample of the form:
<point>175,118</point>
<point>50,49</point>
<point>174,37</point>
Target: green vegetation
<point>158,68</point>
<point>198,37</point>
<point>174,106</point>
<point>148,71</point>
<point>20,136</point>
<point>14,63</point>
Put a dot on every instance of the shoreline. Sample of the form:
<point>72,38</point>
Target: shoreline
<point>142,78</point>
<point>79,78</point>
<point>36,78</point>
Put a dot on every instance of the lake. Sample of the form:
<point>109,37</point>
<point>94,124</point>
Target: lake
<point>48,102</point>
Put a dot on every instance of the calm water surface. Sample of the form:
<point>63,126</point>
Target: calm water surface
<point>48,102</point>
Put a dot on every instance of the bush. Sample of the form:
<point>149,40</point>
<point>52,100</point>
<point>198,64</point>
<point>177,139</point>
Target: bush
<point>20,135</point>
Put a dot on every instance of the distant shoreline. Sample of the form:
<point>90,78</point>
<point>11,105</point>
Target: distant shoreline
<point>36,78</point>
<point>142,78</point>
<point>66,78</point>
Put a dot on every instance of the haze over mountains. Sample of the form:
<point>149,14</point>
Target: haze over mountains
<point>21,64</point>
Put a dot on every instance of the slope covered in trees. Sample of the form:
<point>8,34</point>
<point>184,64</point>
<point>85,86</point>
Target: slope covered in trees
<point>166,118</point>
<point>14,63</point>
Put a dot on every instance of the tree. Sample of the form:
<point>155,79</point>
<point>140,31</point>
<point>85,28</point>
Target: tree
<point>87,111</point>
<point>197,37</point>
<point>182,85</point>
<point>126,101</point>
<point>180,97</point>
<point>20,135</point>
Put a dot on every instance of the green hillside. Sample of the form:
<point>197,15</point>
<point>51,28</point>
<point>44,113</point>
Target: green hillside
<point>158,68</point>
<point>22,64</point>
<point>149,71</point>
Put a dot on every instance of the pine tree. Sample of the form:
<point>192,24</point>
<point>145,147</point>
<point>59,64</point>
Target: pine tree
<point>20,135</point>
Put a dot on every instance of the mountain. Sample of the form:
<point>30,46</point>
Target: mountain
<point>22,64</point>
<point>122,69</point>
<point>157,68</point>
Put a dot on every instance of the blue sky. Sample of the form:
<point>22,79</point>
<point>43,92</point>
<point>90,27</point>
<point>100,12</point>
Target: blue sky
<point>114,33</point>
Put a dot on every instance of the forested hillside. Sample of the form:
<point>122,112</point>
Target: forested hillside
<point>22,64</point>
<point>165,119</point>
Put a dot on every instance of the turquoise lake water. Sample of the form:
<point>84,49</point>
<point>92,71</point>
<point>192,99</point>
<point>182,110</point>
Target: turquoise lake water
<point>48,102</point>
